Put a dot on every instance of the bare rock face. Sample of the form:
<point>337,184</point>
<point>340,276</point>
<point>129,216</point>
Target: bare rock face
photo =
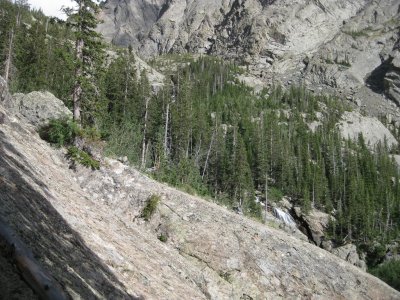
<point>392,77</point>
<point>127,22</point>
<point>39,107</point>
<point>259,29</point>
<point>86,228</point>
<point>353,124</point>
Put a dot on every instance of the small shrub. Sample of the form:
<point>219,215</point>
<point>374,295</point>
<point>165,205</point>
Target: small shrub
<point>358,33</point>
<point>226,276</point>
<point>62,132</point>
<point>163,238</point>
<point>344,63</point>
<point>83,158</point>
<point>150,208</point>
<point>59,132</point>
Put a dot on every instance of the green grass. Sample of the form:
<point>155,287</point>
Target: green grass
<point>358,33</point>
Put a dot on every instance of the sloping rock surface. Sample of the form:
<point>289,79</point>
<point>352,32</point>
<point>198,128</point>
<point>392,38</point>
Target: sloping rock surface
<point>85,228</point>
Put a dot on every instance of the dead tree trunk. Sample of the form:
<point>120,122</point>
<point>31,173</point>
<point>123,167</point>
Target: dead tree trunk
<point>77,93</point>
<point>143,165</point>
<point>9,56</point>
<point>40,280</point>
<point>208,154</point>
<point>266,195</point>
<point>166,132</point>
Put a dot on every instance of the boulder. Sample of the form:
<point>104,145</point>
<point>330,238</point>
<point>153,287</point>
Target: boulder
<point>40,107</point>
<point>312,225</point>
<point>349,253</point>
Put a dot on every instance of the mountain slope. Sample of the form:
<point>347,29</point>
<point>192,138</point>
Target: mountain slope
<point>250,27</point>
<point>85,228</point>
<point>344,47</point>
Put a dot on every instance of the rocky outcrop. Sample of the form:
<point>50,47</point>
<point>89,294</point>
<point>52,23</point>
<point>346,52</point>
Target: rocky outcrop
<point>128,22</point>
<point>39,107</point>
<point>392,77</point>
<point>314,224</point>
<point>353,124</point>
<point>257,28</point>
<point>155,78</point>
<point>349,253</point>
<point>86,228</point>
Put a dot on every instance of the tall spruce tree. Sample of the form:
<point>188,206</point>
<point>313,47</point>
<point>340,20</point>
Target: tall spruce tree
<point>88,51</point>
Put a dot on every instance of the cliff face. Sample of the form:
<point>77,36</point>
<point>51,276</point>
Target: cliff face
<point>126,22</point>
<point>392,76</point>
<point>340,46</point>
<point>266,29</point>
<point>85,228</point>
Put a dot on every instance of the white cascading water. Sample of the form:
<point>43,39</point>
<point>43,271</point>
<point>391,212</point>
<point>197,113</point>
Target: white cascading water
<point>284,217</point>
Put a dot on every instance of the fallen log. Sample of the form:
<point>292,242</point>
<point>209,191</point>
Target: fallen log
<point>38,279</point>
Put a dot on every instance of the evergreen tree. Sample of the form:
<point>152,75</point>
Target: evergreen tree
<point>88,54</point>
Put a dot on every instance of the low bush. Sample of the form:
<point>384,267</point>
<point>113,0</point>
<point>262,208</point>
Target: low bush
<point>60,132</point>
<point>150,207</point>
<point>163,238</point>
<point>83,158</point>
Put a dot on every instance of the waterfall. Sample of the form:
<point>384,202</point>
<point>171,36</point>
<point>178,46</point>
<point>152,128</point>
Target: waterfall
<point>284,217</point>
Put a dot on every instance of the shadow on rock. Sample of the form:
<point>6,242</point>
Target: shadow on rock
<point>376,79</point>
<point>57,247</point>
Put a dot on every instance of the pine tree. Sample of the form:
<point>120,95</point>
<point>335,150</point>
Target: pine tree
<point>88,52</point>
